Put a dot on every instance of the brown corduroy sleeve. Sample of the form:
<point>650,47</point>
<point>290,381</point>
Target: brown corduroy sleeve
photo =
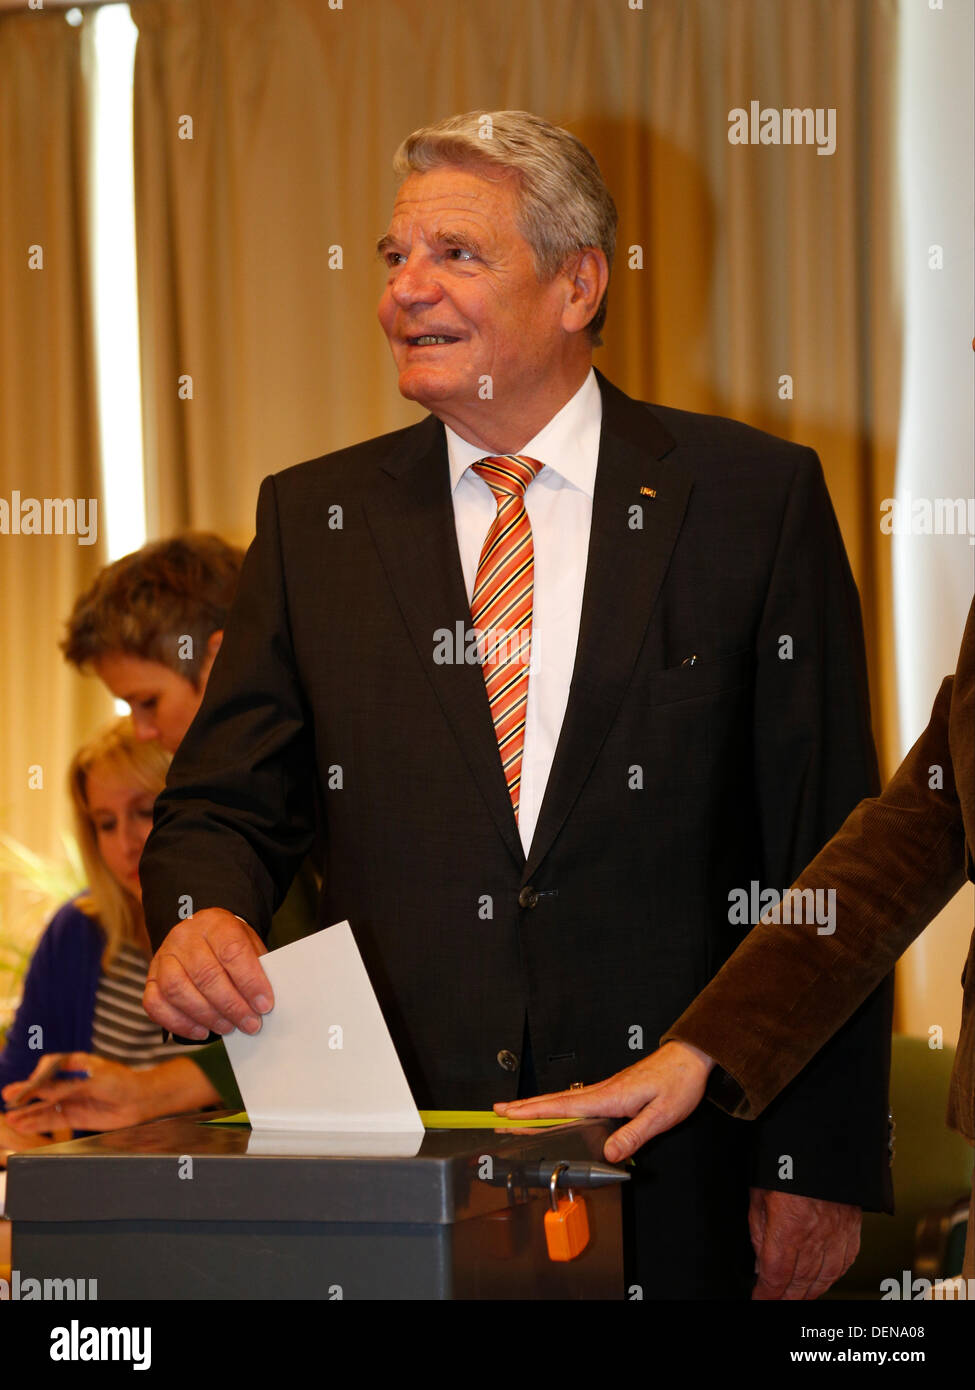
<point>894,863</point>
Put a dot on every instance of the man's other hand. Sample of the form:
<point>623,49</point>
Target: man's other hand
<point>802,1244</point>
<point>657,1092</point>
<point>206,976</point>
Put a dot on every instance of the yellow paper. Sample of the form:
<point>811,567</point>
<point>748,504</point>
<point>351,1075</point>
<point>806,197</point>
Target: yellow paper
<point>480,1119</point>
<point>442,1119</point>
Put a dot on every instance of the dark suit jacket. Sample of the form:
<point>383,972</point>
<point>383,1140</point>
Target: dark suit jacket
<point>894,864</point>
<point>672,784</point>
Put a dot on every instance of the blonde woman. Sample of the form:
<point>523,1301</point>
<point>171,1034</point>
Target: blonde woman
<point>81,1011</point>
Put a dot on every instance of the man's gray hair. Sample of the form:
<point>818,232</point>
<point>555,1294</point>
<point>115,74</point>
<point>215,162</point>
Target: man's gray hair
<point>564,205</point>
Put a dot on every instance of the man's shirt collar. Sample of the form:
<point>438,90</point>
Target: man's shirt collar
<point>568,444</point>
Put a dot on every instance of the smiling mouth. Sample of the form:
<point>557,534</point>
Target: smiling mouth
<point>431,340</point>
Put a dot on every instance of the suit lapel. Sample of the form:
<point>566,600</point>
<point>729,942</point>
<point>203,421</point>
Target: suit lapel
<point>411,517</point>
<point>624,572</point>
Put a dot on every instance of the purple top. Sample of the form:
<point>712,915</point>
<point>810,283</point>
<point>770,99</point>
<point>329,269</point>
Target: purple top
<point>59,995</point>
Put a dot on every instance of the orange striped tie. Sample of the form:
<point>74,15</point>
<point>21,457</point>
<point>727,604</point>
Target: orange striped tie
<point>501,607</point>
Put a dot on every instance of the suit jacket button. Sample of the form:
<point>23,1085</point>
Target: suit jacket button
<point>528,897</point>
<point>507,1060</point>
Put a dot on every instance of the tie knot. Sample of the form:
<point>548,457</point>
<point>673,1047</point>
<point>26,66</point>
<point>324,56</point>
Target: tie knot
<point>507,475</point>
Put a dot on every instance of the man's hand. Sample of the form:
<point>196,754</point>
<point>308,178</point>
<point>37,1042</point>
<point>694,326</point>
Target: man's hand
<point>657,1092</point>
<point>802,1244</point>
<point>112,1097</point>
<point>207,976</point>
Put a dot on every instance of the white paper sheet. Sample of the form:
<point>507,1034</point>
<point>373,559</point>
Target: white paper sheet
<point>318,1144</point>
<point>323,1060</point>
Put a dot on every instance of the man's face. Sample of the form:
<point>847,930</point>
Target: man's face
<point>460,270</point>
<point>163,703</point>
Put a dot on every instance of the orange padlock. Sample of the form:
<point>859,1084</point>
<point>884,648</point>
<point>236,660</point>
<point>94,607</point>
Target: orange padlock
<point>567,1224</point>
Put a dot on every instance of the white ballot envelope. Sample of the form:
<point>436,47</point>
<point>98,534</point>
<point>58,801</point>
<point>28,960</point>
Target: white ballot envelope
<point>323,1060</point>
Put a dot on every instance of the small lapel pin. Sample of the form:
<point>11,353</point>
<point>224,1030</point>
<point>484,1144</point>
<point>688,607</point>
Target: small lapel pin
<point>648,492</point>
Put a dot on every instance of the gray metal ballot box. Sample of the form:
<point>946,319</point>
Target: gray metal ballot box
<point>181,1209</point>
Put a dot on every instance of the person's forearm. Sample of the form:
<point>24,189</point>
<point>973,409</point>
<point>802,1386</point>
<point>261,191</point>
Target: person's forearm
<point>787,988</point>
<point>173,1088</point>
<point>214,1063</point>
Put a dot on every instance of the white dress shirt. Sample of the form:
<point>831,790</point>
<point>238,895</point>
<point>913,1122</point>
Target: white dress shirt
<point>559,506</point>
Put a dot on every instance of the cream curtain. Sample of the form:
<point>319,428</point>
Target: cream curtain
<point>48,434</point>
<point>758,262</point>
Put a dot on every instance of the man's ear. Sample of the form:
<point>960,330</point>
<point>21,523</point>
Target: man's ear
<point>587,275</point>
<point>213,643</point>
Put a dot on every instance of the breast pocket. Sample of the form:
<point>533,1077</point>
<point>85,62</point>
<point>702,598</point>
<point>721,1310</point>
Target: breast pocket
<point>705,677</point>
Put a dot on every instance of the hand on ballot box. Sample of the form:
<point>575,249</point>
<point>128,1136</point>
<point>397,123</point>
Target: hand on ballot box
<point>802,1244</point>
<point>656,1093</point>
<point>103,1095</point>
<point>206,976</point>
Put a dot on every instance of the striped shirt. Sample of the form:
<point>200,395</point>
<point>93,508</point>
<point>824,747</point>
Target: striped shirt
<point>121,1029</point>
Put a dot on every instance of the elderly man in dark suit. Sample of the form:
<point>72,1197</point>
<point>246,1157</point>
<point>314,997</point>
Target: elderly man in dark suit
<point>550,674</point>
